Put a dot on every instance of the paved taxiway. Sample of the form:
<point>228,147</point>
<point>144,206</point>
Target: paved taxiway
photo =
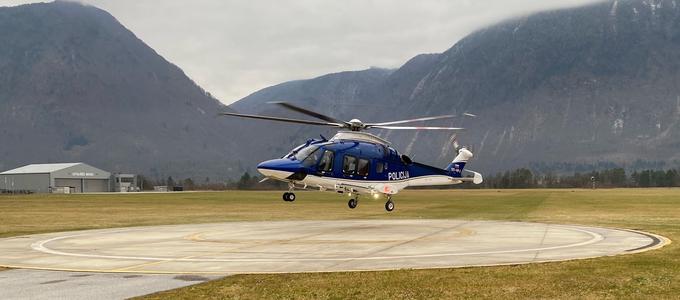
<point>316,246</point>
<point>37,284</point>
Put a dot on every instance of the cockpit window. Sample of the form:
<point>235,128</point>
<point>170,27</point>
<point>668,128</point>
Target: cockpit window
<point>292,153</point>
<point>312,159</point>
<point>302,154</point>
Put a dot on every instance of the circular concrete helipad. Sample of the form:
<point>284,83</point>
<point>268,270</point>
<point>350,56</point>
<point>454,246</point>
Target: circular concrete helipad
<point>316,246</point>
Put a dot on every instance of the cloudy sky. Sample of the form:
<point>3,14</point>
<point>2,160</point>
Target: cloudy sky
<point>235,47</point>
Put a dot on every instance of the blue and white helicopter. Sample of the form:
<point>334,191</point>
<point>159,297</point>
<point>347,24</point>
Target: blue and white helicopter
<point>358,163</point>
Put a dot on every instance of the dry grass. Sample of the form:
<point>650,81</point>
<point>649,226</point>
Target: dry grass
<point>653,274</point>
<point>28,214</point>
<point>31,214</point>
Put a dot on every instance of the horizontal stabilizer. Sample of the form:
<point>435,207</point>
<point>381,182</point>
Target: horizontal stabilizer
<point>477,178</point>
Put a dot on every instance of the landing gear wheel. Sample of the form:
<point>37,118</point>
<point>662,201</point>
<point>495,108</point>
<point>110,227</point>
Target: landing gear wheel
<point>389,205</point>
<point>289,197</point>
<point>352,203</point>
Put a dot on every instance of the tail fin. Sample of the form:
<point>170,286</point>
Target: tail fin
<point>456,167</point>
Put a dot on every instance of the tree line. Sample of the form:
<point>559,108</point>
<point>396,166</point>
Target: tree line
<point>245,182</point>
<point>514,179</point>
<point>609,178</point>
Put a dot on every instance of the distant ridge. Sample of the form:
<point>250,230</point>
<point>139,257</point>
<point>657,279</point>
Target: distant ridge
<point>75,85</point>
<point>559,90</point>
<point>556,91</point>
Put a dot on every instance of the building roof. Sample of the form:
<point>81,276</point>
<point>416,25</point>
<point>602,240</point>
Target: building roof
<point>39,168</point>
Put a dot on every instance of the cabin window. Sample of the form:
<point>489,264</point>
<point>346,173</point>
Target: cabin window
<point>379,167</point>
<point>362,169</point>
<point>349,164</point>
<point>326,163</point>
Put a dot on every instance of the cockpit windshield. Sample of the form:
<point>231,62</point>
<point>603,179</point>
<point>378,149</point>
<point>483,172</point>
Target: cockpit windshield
<point>294,151</point>
<point>303,154</point>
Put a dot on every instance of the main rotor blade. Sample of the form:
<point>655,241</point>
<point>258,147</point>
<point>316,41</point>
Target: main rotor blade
<point>417,128</point>
<point>412,120</point>
<point>281,119</point>
<point>309,113</point>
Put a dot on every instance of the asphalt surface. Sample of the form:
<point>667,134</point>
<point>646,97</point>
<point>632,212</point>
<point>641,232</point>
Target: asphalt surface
<point>315,246</point>
<point>37,284</point>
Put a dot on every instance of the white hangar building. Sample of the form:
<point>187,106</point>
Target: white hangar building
<point>61,178</point>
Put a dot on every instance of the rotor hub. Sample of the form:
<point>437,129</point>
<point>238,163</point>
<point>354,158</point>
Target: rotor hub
<point>356,125</point>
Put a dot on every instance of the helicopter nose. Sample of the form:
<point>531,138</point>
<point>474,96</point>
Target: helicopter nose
<point>278,168</point>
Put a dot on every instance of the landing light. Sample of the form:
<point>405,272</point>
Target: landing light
<point>376,196</point>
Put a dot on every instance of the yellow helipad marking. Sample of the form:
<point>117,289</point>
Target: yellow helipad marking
<point>152,263</point>
<point>199,237</point>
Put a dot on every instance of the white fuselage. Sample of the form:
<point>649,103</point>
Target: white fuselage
<point>389,187</point>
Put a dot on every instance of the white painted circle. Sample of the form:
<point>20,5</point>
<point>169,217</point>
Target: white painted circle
<point>314,246</point>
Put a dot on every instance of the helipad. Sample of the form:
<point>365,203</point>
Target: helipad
<point>317,246</point>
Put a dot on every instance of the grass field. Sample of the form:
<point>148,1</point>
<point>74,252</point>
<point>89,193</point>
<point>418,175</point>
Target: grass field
<point>654,274</point>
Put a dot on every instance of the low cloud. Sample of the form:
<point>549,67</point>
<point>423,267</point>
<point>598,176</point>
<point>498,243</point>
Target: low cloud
<point>233,48</point>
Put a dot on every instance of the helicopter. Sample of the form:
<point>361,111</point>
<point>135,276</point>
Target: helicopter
<point>358,163</point>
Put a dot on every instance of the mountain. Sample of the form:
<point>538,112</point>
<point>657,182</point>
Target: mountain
<point>345,87</point>
<point>557,90</point>
<point>593,85</point>
<point>75,85</point>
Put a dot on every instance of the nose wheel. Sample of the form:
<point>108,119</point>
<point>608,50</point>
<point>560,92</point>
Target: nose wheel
<point>352,203</point>
<point>389,205</point>
<point>289,197</point>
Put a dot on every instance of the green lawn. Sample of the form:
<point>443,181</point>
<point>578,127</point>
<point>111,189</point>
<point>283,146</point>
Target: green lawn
<point>654,274</point>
